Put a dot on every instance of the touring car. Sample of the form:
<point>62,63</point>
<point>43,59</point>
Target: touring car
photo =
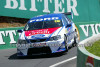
<point>50,33</point>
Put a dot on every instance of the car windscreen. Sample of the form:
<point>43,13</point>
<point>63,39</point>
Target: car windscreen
<point>43,25</point>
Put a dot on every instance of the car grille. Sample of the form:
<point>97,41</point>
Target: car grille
<point>38,40</point>
<point>39,50</point>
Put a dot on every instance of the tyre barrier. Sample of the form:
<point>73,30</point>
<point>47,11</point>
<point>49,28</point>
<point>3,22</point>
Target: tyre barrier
<point>85,58</point>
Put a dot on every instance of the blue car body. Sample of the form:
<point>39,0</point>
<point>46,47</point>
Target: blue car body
<point>45,34</point>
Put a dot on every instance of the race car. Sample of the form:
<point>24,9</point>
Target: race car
<point>50,33</point>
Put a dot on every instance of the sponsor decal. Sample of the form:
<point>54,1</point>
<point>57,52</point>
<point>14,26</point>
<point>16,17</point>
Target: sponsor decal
<point>38,36</point>
<point>90,62</point>
<point>41,31</point>
<point>39,45</point>
<point>44,19</point>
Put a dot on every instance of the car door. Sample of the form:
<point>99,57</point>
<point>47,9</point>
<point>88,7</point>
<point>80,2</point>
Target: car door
<point>72,30</point>
<point>68,27</point>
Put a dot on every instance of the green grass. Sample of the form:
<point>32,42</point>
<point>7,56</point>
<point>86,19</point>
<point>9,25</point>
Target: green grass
<point>95,49</point>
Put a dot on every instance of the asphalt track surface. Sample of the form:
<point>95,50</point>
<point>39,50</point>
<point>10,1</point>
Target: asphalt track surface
<point>8,58</point>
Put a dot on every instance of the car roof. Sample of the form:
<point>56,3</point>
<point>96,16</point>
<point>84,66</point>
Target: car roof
<point>59,15</point>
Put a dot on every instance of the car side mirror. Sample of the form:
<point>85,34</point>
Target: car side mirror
<point>20,31</point>
<point>68,25</point>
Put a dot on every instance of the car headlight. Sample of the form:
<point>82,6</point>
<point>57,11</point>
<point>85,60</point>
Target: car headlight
<point>55,37</point>
<point>22,42</point>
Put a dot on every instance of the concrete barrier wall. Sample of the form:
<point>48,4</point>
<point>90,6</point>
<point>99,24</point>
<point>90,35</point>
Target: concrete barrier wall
<point>84,58</point>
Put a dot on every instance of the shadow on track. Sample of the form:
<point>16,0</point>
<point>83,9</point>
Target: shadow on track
<point>14,56</point>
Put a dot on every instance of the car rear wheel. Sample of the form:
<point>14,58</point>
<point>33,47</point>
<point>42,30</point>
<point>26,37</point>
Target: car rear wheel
<point>65,40</point>
<point>75,39</point>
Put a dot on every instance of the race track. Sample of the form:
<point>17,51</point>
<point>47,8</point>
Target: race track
<point>8,58</point>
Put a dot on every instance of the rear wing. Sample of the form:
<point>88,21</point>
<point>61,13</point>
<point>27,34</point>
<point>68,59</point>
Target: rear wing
<point>69,13</point>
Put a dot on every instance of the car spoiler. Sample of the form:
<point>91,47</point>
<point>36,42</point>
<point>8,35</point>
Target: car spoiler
<point>69,13</point>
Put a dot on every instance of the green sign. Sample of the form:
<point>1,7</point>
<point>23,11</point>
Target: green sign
<point>83,10</point>
<point>87,29</point>
<point>8,37</point>
<point>30,8</point>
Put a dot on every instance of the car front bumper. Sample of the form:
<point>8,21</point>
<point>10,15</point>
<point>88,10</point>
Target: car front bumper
<point>40,48</point>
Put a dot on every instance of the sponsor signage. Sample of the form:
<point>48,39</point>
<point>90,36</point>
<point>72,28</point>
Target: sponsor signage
<point>8,37</point>
<point>8,33</point>
<point>95,28</point>
<point>30,8</point>
<point>82,11</point>
<point>88,29</point>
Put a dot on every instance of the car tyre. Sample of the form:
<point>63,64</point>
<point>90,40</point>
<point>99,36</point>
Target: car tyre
<point>75,40</point>
<point>65,40</point>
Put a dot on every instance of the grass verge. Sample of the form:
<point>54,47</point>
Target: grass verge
<point>95,48</point>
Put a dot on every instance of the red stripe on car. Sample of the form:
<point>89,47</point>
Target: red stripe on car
<point>41,31</point>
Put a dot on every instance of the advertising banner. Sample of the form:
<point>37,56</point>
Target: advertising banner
<point>87,29</point>
<point>8,37</point>
<point>31,8</point>
<point>83,10</point>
